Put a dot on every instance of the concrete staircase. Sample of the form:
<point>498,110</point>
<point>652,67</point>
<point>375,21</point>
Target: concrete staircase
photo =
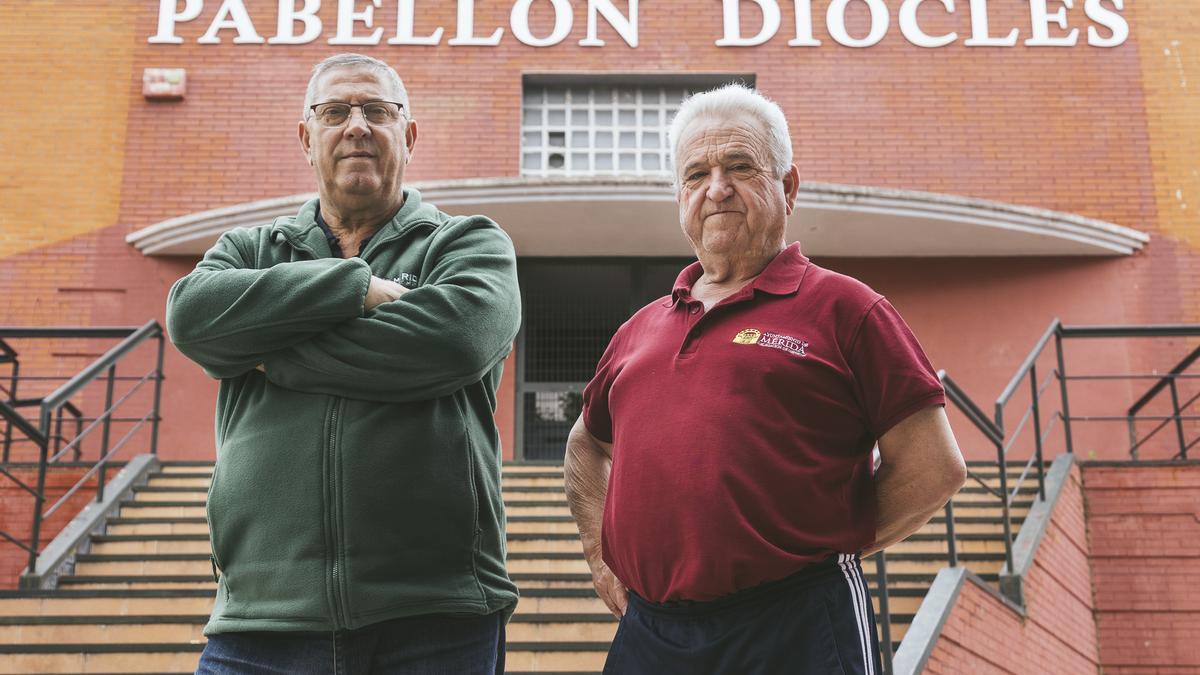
<point>139,599</point>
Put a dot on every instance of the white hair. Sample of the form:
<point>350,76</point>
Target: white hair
<point>348,60</point>
<point>734,102</point>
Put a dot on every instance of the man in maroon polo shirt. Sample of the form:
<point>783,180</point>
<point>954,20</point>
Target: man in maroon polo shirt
<point>721,472</point>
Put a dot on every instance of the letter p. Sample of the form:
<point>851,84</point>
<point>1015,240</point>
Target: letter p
<point>168,17</point>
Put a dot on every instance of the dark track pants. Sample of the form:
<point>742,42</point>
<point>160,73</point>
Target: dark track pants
<point>819,620</point>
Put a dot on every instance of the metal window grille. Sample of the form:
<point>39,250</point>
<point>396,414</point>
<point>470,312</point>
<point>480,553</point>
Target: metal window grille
<point>597,130</point>
<point>571,310</point>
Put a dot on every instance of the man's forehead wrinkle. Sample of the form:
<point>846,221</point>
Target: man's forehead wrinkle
<point>340,84</point>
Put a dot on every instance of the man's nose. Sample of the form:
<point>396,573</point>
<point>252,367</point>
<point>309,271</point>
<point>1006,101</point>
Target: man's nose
<point>719,187</point>
<point>357,125</point>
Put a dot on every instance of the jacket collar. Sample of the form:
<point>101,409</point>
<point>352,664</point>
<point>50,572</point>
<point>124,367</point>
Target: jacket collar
<point>303,229</point>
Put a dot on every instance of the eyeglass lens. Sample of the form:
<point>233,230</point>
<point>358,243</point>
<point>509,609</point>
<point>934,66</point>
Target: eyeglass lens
<point>378,113</point>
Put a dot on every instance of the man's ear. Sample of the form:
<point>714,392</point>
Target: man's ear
<point>791,187</point>
<point>305,141</point>
<point>410,137</point>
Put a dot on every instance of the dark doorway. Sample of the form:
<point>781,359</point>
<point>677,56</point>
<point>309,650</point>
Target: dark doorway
<point>572,307</point>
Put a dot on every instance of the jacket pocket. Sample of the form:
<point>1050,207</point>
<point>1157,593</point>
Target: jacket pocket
<point>213,530</point>
<point>410,506</point>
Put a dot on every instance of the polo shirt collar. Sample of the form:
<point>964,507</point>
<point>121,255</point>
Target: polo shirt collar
<point>782,276</point>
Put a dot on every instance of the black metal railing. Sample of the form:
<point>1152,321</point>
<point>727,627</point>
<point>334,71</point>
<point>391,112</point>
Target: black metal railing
<point>45,432</point>
<point>1040,420</point>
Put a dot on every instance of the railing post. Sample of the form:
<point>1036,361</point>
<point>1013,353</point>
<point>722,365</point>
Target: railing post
<point>104,434</point>
<point>1178,420</point>
<point>12,395</point>
<point>158,378</point>
<point>1133,440</point>
<point>885,613</point>
<point>1062,386</point>
<point>950,543</point>
<point>58,430</point>
<point>1004,499</point>
<point>39,498</point>
<point>1037,431</point>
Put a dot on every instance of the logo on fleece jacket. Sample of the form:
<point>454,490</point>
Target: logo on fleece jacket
<point>406,280</point>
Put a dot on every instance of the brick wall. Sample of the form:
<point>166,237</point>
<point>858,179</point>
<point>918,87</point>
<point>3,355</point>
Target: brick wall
<point>16,513</point>
<point>1144,530</point>
<point>1058,633</point>
<point>1099,132</point>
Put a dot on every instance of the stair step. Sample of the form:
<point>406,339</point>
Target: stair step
<point>120,658</point>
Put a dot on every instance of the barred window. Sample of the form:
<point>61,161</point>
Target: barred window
<point>602,125</point>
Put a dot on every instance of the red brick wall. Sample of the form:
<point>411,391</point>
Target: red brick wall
<point>16,514</point>
<point>1058,633</point>
<point>1144,529</point>
<point>1082,130</point>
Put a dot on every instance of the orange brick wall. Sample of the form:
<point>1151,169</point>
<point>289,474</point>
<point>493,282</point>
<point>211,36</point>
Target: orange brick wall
<point>1144,529</point>
<point>1058,634</point>
<point>1082,130</point>
<point>16,513</point>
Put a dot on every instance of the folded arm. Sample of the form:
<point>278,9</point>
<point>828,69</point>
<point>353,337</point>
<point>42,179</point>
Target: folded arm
<point>228,316</point>
<point>921,469</point>
<point>431,342</point>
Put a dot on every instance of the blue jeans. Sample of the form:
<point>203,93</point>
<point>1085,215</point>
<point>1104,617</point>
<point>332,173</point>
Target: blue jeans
<point>419,645</point>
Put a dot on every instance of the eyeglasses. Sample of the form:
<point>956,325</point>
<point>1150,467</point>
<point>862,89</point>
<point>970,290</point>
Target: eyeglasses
<point>376,113</point>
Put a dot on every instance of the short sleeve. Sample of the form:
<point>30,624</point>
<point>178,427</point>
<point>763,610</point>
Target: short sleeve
<point>597,416</point>
<point>893,375</point>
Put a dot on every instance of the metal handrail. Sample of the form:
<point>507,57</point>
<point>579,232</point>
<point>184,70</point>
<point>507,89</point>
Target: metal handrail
<point>884,610</point>
<point>1164,421</point>
<point>104,417</point>
<point>1054,329</point>
<point>84,377</point>
<point>995,434</point>
<point>52,406</point>
<point>994,429</point>
<point>970,409</point>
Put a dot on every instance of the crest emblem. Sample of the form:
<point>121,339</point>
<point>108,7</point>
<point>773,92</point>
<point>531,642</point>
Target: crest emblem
<point>748,336</point>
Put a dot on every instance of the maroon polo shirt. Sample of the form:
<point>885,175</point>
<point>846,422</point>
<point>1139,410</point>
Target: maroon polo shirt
<point>742,436</point>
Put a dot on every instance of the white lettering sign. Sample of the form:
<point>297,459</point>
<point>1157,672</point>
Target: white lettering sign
<point>835,20</point>
<point>168,17</point>
<point>804,30</point>
<point>404,28</point>
<point>289,15</point>
<point>1114,22</point>
<point>626,26</point>
<point>466,28</point>
<point>1041,25</point>
<point>979,29</point>
<point>347,17</point>
<point>1049,23</point>
<point>733,24</point>
<point>231,15</point>
<point>912,31</point>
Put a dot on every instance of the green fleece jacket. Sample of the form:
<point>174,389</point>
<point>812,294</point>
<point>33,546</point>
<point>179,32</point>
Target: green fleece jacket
<point>358,477</point>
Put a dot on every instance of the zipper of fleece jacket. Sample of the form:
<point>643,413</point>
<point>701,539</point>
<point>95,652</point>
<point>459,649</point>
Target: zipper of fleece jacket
<point>337,568</point>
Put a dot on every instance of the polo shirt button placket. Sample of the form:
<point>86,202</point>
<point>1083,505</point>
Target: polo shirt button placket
<point>689,340</point>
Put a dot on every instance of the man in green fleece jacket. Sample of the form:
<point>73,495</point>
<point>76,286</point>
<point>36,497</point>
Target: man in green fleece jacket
<point>355,510</point>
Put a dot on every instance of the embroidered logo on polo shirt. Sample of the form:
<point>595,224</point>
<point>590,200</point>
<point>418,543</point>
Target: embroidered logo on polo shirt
<point>407,280</point>
<point>747,337</point>
<point>787,343</point>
